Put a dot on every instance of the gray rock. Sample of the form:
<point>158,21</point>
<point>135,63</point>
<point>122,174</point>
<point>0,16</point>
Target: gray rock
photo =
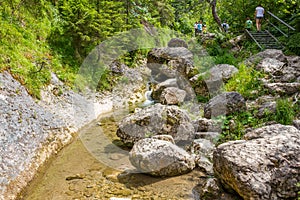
<point>156,120</point>
<point>211,189</point>
<point>199,85</point>
<point>160,158</point>
<point>271,66</point>
<point>212,81</point>
<point>283,88</point>
<point>157,90</point>
<point>172,96</point>
<point>267,108</point>
<point>211,136</point>
<point>264,166</point>
<point>203,147</point>
<point>207,125</point>
<point>293,66</point>
<point>296,123</point>
<point>177,42</point>
<point>204,164</point>
<point>223,71</point>
<point>268,53</point>
<point>177,60</point>
<point>167,138</point>
<point>224,104</point>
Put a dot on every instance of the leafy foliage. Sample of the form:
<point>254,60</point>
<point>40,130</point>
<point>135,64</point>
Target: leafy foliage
<point>284,112</point>
<point>246,82</point>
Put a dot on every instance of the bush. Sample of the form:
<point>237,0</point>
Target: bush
<point>293,44</point>
<point>246,82</point>
<point>234,125</point>
<point>285,111</point>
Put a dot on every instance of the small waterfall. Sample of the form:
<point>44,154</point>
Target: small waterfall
<point>149,100</point>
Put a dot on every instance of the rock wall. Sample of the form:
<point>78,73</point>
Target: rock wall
<point>32,130</point>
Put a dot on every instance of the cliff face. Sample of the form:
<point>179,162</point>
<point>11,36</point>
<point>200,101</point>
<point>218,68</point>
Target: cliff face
<point>30,131</point>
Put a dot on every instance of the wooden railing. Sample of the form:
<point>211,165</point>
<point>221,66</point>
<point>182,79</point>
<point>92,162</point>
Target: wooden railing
<point>274,17</point>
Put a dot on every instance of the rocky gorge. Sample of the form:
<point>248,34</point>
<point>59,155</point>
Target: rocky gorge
<point>172,137</point>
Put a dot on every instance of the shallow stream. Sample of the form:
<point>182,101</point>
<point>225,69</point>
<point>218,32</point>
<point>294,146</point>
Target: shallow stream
<point>94,167</point>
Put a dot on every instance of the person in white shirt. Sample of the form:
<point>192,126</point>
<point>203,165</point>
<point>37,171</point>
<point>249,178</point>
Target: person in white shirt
<point>259,15</point>
<point>196,28</point>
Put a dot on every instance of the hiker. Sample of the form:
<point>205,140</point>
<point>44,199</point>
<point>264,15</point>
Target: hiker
<point>225,26</point>
<point>259,15</point>
<point>196,28</point>
<point>204,29</point>
<point>248,24</point>
<point>200,27</point>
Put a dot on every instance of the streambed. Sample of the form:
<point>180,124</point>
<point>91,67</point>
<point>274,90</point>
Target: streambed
<point>79,172</point>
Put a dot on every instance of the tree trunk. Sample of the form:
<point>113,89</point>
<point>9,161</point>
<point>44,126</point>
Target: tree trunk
<point>213,5</point>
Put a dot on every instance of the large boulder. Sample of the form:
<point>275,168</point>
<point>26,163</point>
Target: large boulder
<point>268,53</point>
<point>211,82</point>
<point>160,158</point>
<point>287,71</point>
<point>224,104</point>
<point>283,69</point>
<point>156,120</point>
<point>167,62</point>
<point>266,165</point>
<point>271,66</point>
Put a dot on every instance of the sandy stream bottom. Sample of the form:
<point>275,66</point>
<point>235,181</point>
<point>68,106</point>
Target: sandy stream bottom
<point>86,169</point>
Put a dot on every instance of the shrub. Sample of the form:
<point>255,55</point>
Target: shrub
<point>293,44</point>
<point>285,111</point>
<point>246,82</point>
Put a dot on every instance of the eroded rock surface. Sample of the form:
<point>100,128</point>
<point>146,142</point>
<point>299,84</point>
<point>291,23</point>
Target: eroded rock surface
<point>155,120</point>
<point>266,165</point>
<point>160,158</point>
<point>224,104</point>
<point>172,96</point>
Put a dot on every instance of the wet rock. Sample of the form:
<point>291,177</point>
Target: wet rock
<point>156,120</point>
<point>283,88</point>
<point>224,104</point>
<point>172,96</point>
<point>265,165</point>
<point>177,42</point>
<point>160,158</point>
